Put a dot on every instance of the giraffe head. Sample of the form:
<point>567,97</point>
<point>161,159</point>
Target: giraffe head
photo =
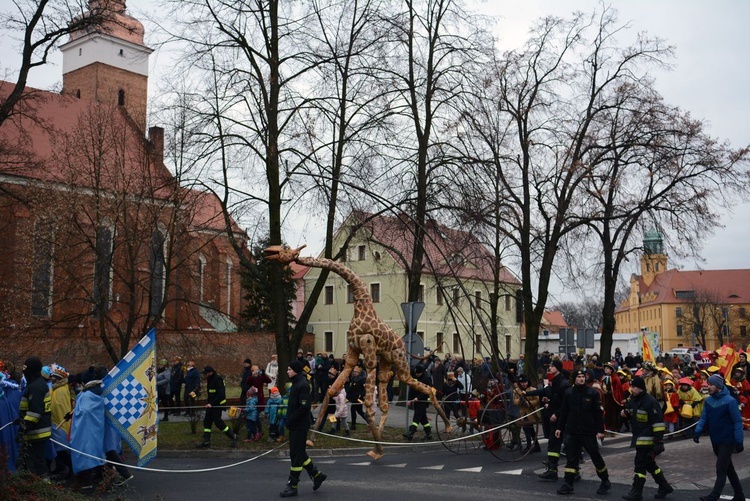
<point>282,254</point>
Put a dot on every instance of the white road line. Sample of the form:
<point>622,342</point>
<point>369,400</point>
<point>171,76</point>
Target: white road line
<point>400,465</point>
<point>437,467</point>
<point>512,472</point>
<point>476,469</point>
<point>366,463</point>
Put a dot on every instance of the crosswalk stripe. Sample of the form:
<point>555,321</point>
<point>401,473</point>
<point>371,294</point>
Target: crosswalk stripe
<point>512,472</point>
<point>436,467</point>
<point>400,465</point>
<point>366,463</point>
<point>476,469</point>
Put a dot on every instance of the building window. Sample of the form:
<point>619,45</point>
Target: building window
<point>478,299</point>
<point>440,299</point>
<point>103,270</point>
<point>349,293</point>
<point>743,330</point>
<point>361,252</point>
<point>742,312</point>
<point>420,297</point>
<point>375,292</point>
<point>456,343</point>
<point>507,302</point>
<point>329,294</point>
<point>201,278</point>
<point>678,312</point>
<point>328,335</point>
<point>156,267</point>
<point>684,294</point>
<point>478,343</point>
<point>230,266</point>
<point>455,296</point>
<point>120,97</point>
<point>376,256</point>
<point>439,340</point>
<point>42,269</point>
<point>421,335</point>
<point>679,331</point>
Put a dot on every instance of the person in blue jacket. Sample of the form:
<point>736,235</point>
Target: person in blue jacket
<point>721,416</point>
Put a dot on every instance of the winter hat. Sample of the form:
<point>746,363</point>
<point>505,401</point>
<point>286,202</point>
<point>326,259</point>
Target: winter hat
<point>46,372</point>
<point>638,382</point>
<point>557,364</point>
<point>717,381</point>
<point>247,361</point>
<point>296,366</point>
<point>273,390</point>
<point>686,380</point>
<point>33,365</point>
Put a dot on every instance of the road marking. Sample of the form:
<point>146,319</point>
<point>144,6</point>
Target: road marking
<point>400,465</point>
<point>512,472</point>
<point>327,461</point>
<point>476,469</point>
<point>729,497</point>
<point>437,467</point>
<point>366,463</point>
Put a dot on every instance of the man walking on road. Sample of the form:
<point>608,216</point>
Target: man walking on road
<point>721,415</point>
<point>216,399</point>
<point>582,420</point>
<point>298,423</point>
<point>647,425</point>
<point>559,385</point>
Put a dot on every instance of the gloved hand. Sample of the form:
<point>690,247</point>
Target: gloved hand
<point>696,439</point>
<point>739,447</point>
<point>658,448</point>
<point>68,416</point>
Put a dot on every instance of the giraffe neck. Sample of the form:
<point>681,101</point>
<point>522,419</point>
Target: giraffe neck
<point>358,286</point>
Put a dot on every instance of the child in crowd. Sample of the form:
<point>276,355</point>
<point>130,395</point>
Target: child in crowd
<point>272,411</point>
<point>281,413</point>
<point>671,405</point>
<point>341,413</point>
<point>687,394</point>
<point>251,415</point>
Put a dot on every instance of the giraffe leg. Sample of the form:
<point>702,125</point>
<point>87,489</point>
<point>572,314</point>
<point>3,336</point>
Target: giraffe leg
<point>383,377</point>
<point>367,345</point>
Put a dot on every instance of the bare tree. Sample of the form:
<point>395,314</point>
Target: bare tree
<point>38,27</point>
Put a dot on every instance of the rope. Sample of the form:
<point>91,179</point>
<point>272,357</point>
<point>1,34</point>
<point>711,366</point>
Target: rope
<point>683,430</point>
<point>6,425</point>
<point>160,470</point>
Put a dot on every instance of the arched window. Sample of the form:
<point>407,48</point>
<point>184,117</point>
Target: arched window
<point>158,274</point>
<point>103,270</point>
<point>201,278</point>
<point>42,268</point>
<point>121,97</point>
<point>229,267</point>
<point>78,93</point>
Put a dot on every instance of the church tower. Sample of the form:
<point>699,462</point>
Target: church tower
<point>109,62</point>
<point>653,259</point>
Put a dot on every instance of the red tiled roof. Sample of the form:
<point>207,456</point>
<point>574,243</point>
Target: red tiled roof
<point>207,211</point>
<point>554,318</point>
<point>721,286</point>
<point>48,142</point>
<point>448,251</point>
<point>298,270</point>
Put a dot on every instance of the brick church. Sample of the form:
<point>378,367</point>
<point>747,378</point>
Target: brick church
<point>99,241</point>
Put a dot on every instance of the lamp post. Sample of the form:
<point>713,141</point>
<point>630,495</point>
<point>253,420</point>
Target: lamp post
<point>725,312</point>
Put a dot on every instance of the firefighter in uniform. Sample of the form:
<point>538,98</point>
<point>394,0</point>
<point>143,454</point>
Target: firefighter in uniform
<point>215,398</point>
<point>298,423</point>
<point>582,421</point>
<point>420,406</point>
<point>647,425</point>
<point>559,384</point>
<point>36,417</point>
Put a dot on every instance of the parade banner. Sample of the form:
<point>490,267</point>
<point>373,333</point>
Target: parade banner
<point>727,357</point>
<point>130,398</point>
<point>646,351</point>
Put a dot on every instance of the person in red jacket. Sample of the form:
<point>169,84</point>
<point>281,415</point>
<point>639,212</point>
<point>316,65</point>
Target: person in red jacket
<point>742,386</point>
<point>612,398</point>
<point>258,380</point>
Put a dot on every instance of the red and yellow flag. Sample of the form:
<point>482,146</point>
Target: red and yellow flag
<point>728,356</point>
<point>648,354</point>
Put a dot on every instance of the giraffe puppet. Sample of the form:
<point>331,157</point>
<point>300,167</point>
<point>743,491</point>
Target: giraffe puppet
<point>369,336</point>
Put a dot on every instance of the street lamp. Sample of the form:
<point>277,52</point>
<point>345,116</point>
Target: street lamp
<point>725,311</point>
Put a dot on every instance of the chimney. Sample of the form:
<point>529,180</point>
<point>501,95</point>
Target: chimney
<point>156,138</point>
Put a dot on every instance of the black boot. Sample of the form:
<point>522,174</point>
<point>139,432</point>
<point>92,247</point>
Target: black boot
<point>205,443</point>
<point>427,434</point>
<point>664,487</point>
<point>565,488</point>
<point>636,492</point>
<point>409,435</point>
<point>232,436</point>
<point>315,475</point>
<point>550,474</point>
<point>604,486</point>
<point>291,487</point>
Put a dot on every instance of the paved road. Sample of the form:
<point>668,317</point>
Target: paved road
<point>418,474</point>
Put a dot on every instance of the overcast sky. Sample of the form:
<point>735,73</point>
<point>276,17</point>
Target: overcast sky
<point>710,79</point>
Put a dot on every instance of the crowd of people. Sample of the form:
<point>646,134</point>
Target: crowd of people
<point>579,399</point>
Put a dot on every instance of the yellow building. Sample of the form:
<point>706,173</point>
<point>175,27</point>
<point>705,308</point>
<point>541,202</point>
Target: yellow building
<point>457,281</point>
<point>686,308</point>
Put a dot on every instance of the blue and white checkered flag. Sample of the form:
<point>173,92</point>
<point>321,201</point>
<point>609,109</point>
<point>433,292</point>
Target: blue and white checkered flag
<point>130,398</point>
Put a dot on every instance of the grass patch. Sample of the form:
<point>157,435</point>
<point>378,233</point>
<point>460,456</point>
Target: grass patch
<point>27,487</point>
